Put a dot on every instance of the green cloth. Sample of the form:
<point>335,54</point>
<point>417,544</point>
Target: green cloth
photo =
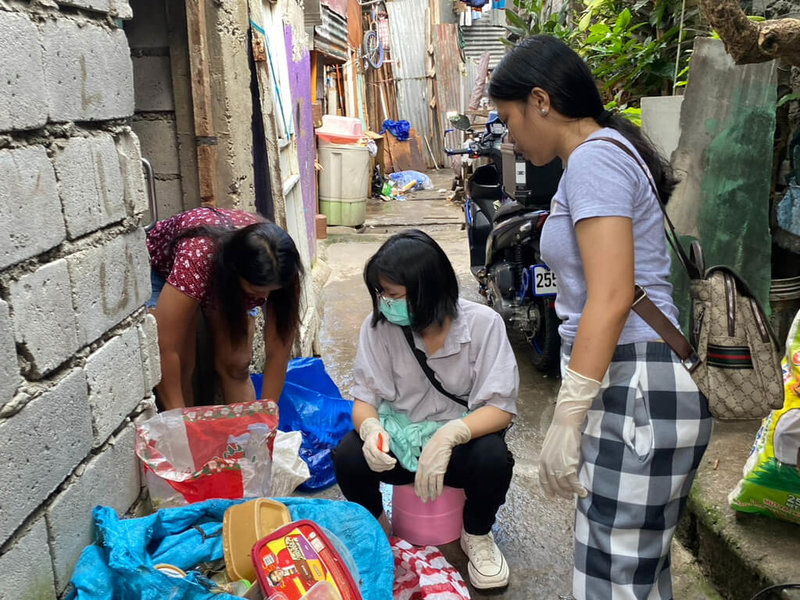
<point>407,438</point>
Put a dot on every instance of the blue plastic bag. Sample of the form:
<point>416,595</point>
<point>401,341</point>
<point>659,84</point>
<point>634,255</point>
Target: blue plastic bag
<point>311,403</point>
<point>399,129</point>
<point>403,178</point>
<point>120,565</point>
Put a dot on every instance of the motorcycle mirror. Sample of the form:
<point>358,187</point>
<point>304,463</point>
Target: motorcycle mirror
<point>459,121</point>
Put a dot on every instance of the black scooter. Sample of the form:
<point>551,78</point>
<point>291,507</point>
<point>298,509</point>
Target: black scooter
<point>507,202</point>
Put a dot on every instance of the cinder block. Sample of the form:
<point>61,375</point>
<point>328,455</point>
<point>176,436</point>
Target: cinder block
<point>130,162</point>
<point>23,102</point>
<point>30,213</point>
<point>95,5</point>
<point>9,369</point>
<point>109,282</point>
<point>110,479</point>
<point>88,73</point>
<point>44,321</point>
<point>121,9</point>
<point>116,383</point>
<point>169,194</point>
<point>153,91</point>
<point>27,568</point>
<point>151,357</point>
<point>90,183</point>
<point>159,142</point>
<point>41,445</point>
<point>149,29</point>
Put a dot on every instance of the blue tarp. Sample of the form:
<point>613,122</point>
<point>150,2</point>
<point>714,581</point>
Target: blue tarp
<point>120,565</point>
<point>399,129</point>
<point>311,403</point>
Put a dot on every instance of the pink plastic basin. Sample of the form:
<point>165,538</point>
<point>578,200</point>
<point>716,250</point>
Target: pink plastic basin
<point>427,523</point>
<point>340,130</point>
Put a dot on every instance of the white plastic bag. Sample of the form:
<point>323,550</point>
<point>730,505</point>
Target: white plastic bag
<point>288,469</point>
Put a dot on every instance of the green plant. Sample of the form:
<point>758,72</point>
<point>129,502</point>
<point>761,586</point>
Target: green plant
<point>531,17</point>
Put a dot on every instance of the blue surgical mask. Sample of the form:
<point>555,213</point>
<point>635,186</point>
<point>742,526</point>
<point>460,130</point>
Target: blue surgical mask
<point>395,311</point>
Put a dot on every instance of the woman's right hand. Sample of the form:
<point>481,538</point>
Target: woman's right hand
<point>376,445</point>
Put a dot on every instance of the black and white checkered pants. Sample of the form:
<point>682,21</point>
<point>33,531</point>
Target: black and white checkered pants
<point>643,440</point>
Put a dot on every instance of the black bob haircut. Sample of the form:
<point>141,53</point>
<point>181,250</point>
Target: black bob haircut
<point>414,260</point>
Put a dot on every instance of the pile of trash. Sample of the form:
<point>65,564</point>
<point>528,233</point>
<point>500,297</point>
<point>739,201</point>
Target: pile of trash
<point>225,526</point>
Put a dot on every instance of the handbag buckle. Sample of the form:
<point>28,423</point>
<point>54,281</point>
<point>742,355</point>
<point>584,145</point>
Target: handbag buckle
<point>691,362</point>
<point>639,294</point>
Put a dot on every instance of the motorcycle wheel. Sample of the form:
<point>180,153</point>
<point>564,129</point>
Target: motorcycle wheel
<point>545,343</point>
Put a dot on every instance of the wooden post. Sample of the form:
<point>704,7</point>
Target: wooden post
<point>205,138</point>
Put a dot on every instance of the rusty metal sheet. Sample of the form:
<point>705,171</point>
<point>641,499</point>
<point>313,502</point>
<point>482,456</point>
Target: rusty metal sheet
<point>330,38</point>
<point>337,6</point>
<point>407,33</point>
<point>447,60</point>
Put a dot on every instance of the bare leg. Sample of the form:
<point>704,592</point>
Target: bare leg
<point>232,361</point>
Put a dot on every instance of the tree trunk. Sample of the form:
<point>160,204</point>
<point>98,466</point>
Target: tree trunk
<point>751,42</point>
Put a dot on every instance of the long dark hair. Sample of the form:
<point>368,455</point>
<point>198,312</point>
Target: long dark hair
<point>262,254</point>
<point>414,260</point>
<point>546,62</point>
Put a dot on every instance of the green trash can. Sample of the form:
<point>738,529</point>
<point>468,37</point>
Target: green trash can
<point>343,183</point>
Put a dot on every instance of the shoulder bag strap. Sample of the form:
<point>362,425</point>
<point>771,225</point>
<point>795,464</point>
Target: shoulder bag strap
<point>672,236</point>
<point>642,305</point>
<point>423,362</point>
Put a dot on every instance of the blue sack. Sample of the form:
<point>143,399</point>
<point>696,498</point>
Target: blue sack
<point>403,178</point>
<point>119,566</point>
<point>399,129</point>
<point>311,403</point>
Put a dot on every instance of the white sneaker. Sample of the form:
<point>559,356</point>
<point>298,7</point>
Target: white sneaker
<point>487,566</point>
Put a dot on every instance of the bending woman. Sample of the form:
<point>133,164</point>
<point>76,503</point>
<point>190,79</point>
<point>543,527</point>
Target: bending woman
<point>630,426</point>
<point>414,292</point>
<point>226,263</point>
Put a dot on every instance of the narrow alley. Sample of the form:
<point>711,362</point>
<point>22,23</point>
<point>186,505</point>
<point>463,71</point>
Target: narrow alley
<point>534,532</point>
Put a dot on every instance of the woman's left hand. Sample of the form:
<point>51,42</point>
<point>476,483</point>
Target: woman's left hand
<point>432,464</point>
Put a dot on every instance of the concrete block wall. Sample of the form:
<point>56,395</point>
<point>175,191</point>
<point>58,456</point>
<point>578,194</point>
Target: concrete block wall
<point>157,113</point>
<point>78,352</point>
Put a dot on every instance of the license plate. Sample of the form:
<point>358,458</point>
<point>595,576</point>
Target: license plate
<point>544,281</point>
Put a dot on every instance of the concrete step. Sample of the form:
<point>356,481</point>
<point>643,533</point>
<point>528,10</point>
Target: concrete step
<point>740,553</point>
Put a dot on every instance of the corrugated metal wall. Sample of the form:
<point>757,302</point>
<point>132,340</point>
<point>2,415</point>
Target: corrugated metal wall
<point>407,32</point>
<point>331,37</point>
<point>484,36</point>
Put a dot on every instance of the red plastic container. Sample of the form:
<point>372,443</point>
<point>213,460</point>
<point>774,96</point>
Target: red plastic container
<point>292,559</point>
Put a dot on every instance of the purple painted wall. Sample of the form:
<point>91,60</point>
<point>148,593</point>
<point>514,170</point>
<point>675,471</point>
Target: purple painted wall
<point>300,87</point>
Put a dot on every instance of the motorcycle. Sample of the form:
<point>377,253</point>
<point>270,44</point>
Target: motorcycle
<point>507,203</point>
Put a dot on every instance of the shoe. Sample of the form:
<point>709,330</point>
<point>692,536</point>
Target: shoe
<point>487,566</point>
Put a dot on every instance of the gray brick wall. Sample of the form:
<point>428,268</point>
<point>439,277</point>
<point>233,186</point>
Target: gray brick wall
<point>78,352</point>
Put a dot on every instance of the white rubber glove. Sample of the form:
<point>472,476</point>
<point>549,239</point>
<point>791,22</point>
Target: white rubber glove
<point>377,454</point>
<point>558,462</point>
<point>432,464</point>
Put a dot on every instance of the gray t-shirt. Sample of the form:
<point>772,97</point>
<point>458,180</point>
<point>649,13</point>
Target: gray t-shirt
<point>601,180</point>
<point>475,363</point>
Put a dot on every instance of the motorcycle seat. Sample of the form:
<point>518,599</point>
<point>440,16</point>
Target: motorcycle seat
<point>508,210</point>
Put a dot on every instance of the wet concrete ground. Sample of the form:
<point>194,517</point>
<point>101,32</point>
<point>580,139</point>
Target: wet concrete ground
<point>534,532</point>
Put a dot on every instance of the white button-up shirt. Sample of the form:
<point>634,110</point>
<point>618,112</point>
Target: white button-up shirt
<point>475,363</point>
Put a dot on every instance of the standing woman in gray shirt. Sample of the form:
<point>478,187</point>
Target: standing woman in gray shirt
<point>630,426</point>
<point>405,430</point>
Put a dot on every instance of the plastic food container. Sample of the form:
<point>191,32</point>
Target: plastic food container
<point>242,526</point>
<point>340,130</point>
<point>291,562</point>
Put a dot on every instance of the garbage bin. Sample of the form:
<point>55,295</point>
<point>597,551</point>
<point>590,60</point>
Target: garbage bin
<point>343,183</point>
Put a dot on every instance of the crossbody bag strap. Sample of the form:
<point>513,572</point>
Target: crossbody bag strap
<point>672,236</point>
<point>423,362</point>
<point>642,305</point>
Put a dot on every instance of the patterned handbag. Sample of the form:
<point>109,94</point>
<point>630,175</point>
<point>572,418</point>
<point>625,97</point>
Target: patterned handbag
<point>734,356</point>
